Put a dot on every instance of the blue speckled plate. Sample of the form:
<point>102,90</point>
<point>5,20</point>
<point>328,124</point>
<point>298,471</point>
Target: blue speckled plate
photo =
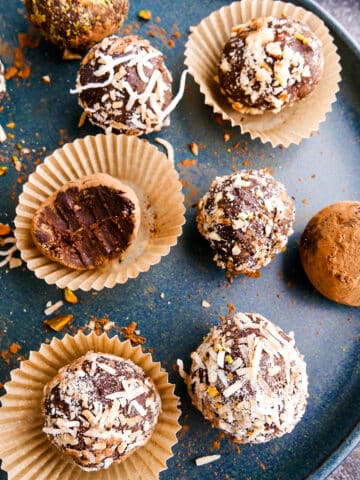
<point>322,170</point>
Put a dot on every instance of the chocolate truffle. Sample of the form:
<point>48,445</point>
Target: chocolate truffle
<point>87,222</point>
<point>247,217</point>
<point>249,379</point>
<point>2,81</point>
<point>76,24</point>
<point>124,86</point>
<point>330,252</point>
<point>100,409</point>
<point>269,63</point>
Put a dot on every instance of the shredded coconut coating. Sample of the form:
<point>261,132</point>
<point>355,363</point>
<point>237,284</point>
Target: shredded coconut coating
<point>77,24</point>
<point>124,86</point>
<point>2,81</point>
<point>249,379</point>
<point>247,217</point>
<point>100,409</point>
<point>269,63</point>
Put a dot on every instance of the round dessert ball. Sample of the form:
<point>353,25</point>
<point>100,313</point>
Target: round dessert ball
<point>2,81</point>
<point>100,409</point>
<point>124,86</point>
<point>330,252</point>
<point>249,379</point>
<point>247,217</point>
<point>269,63</point>
<point>76,24</point>
<point>87,222</point>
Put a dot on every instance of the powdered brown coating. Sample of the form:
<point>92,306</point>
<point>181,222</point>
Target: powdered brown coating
<point>248,379</point>
<point>124,86</point>
<point>77,24</point>
<point>100,409</point>
<point>247,217</point>
<point>330,252</point>
<point>269,63</point>
<point>2,81</point>
<point>87,222</point>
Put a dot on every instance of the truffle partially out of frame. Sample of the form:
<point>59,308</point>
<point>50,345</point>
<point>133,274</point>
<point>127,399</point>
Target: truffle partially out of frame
<point>76,24</point>
<point>330,252</point>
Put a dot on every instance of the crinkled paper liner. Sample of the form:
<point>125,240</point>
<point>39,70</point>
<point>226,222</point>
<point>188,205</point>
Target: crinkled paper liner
<point>25,450</point>
<point>136,163</point>
<point>292,124</point>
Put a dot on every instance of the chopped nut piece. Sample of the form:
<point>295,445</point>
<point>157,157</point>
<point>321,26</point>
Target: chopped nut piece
<point>69,55</point>
<point>130,334</point>
<point>227,136</point>
<point>228,359</point>
<point>194,148</point>
<point>5,230</point>
<point>14,348</point>
<point>46,79</point>
<point>205,304</point>
<point>301,38</point>
<point>82,119</point>
<point>212,391</point>
<point>70,296</point>
<point>58,322</point>
<point>145,15</point>
<point>11,125</point>
<point>3,170</point>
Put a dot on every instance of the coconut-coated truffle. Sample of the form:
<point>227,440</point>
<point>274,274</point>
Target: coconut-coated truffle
<point>124,86</point>
<point>330,252</point>
<point>249,379</point>
<point>269,63</point>
<point>77,24</point>
<point>99,409</point>
<point>247,217</point>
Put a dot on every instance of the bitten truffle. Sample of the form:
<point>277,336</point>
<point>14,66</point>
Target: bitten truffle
<point>330,252</point>
<point>2,81</point>
<point>124,86</point>
<point>87,222</point>
<point>269,63</point>
<point>249,379</point>
<point>247,217</point>
<point>99,410</point>
<point>76,24</point>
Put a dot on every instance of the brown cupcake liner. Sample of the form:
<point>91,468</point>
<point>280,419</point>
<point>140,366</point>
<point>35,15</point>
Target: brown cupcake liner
<point>292,124</point>
<point>136,163</point>
<point>25,450</point>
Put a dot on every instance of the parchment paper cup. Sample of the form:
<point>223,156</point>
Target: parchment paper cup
<point>136,163</point>
<point>292,124</point>
<point>25,451</point>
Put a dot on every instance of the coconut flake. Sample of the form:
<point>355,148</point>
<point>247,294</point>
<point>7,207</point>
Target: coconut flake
<point>207,459</point>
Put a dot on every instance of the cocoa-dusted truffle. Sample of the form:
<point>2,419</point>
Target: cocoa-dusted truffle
<point>124,86</point>
<point>249,379</point>
<point>247,217</point>
<point>269,63</point>
<point>100,409</point>
<point>87,222</point>
<point>330,252</point>
<point>2,81</point>
<point>76,24</point>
